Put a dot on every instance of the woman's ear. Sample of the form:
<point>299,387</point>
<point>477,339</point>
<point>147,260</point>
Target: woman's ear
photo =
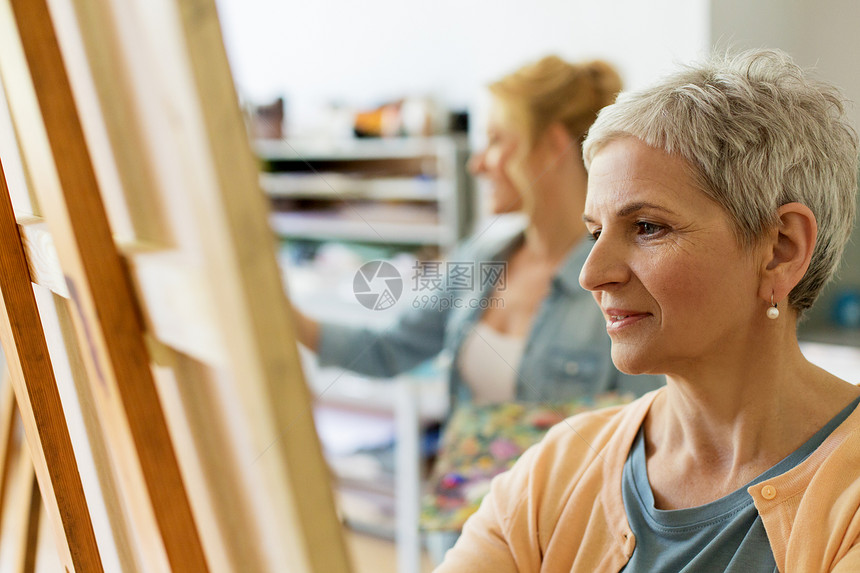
<point>558,138</point>
<point>553,144</point>
<point>789,250</point>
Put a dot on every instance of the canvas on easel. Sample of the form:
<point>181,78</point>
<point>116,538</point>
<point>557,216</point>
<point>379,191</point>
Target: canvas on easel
<point>145,323</point>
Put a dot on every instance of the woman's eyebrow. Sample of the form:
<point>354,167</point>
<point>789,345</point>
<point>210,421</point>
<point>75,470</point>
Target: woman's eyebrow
<point>632,208</point>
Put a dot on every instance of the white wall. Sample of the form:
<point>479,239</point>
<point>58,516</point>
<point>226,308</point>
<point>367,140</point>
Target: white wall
<point>364,53</point>
<point>819,34</point>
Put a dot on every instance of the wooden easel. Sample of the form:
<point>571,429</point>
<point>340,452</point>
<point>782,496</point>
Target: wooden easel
<point>19,515</point>
<point>143,315</point>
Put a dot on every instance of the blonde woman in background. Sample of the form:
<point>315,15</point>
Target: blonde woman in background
<point>542,338</point>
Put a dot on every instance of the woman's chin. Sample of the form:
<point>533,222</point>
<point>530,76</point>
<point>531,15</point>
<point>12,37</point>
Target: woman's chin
<point>504,208</point>
<point>501,201</point>
<point>632,365</point>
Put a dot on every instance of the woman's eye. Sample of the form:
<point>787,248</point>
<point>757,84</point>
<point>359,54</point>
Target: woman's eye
<point>646,228</point>
<point>594,234</point>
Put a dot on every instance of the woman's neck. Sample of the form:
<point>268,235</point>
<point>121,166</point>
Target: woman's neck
<point>551,243</point>
<point>555,213</point>
<point>735,418</point>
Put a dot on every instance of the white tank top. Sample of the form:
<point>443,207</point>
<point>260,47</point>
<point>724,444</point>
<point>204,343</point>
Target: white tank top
<point>489,362</point>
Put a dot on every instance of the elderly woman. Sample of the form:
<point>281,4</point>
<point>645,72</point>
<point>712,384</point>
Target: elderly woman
<point>719,201</point>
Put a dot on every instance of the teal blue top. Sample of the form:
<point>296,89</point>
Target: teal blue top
<point>567,352</point>
<point>724,535</point>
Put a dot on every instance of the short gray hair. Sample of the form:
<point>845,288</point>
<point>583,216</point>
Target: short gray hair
<point>757,134</point>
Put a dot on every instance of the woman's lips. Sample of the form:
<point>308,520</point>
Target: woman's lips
<point>619,319</point>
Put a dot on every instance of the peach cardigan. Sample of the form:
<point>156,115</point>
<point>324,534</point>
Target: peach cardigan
<point>560,509</point>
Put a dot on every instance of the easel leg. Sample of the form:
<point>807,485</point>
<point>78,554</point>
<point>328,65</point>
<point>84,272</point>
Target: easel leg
<point>18,476</point>
<point>30,512</point>
<point>38,399</point>
<point>7,436</point>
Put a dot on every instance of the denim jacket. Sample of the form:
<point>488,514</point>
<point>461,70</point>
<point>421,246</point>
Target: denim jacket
<point>567,352</point>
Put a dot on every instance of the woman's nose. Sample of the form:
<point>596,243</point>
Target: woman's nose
<point>604,267</point>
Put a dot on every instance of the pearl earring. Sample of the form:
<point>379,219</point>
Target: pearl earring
<point>773,311</point>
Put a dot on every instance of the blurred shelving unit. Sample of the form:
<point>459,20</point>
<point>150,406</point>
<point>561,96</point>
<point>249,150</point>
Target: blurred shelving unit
<point>403,199</point>
<point>399,191</point>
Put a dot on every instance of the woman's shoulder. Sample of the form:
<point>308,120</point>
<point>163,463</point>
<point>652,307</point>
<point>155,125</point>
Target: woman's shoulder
<point>526,502</point>
<point>491,238</point>
<point>574,455</point>
<point>594,429</point>
<point>823,489</point>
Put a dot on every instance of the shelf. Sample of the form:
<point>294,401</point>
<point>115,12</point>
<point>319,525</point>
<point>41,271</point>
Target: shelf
<point>382,194</point>
<point>394,191</point>
<point>351,149</point>
<point>366,511</point>
<point>341,186</point>
<point>334,227</point>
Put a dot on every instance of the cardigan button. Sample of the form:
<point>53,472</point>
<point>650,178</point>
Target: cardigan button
<point>768,492</point>
<point>571,368</point>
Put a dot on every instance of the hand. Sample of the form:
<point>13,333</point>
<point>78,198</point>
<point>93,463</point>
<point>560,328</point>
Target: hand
<point>307,329</point>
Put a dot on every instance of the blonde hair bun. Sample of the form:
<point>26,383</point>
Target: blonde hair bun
<point>552,90</point>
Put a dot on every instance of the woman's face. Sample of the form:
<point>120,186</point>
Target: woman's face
<point>497,162</point>
<point>666,269</point>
